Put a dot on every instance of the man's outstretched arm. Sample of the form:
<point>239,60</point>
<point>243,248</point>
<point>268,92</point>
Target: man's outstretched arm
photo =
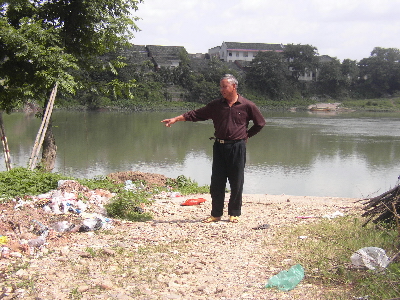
<point>169,122</point>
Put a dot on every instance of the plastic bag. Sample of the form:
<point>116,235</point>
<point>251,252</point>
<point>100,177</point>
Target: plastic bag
<point>287,280</point>
<point>193,201</point>
<point>370,257</point>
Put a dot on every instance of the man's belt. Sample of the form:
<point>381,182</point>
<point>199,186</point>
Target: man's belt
<point>226,141</point>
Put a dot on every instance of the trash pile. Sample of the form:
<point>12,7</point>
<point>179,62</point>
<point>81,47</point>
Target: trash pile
<point>30,223</point>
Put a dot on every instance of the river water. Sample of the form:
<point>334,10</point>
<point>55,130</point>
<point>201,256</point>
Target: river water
<point>313,154</point>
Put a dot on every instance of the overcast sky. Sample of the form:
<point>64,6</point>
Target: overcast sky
<point>339,28</point>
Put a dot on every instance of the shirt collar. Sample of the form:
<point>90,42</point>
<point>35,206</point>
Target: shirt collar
<point>237,102</point>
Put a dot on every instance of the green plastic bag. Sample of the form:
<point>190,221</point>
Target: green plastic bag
<point>287,280</point>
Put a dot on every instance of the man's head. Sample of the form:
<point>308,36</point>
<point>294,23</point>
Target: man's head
<point>231,79</point>
<point>228,86</point>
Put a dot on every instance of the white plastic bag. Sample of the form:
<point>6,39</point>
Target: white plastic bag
<point>370,257</point>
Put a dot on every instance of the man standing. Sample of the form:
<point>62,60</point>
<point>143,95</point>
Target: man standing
<point>231,115</point>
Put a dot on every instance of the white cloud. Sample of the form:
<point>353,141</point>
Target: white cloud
<point>345,29</point>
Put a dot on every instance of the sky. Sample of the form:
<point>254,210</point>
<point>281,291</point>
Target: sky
<point>345,29</point>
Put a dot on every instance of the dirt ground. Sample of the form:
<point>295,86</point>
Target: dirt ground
<point>173,256</point>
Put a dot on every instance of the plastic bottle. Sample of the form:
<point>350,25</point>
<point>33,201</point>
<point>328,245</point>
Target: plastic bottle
<point>91,224</point>
<point>4,252</point>
<point>37,242</point>
<point>62,226</point>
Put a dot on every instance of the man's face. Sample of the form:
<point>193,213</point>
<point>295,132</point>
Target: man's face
<point>227,89</point>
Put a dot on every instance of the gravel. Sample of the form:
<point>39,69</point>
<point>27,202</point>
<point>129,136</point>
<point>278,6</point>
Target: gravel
<point>173,256</point>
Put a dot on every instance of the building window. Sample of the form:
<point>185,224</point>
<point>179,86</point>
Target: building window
<point>237,54</point>
<point>230,54</point>
<point>245,54</point>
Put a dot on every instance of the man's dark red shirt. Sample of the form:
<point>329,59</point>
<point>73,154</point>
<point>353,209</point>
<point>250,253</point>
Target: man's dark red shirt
<point>230,123</point>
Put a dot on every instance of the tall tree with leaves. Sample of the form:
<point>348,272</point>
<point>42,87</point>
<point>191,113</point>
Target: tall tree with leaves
<point>43,41</point>
<point>350,71</point>
<point>330,78</point>
<point>268,74</point>
<point>301,59</point>
<point>381,71</point>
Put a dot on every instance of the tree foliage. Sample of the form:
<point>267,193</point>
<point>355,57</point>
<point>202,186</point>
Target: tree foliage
<point>202,85</point>
<point>331,78</point>
<point>301,59</point>
<point>381,71</point>
<point>350,72</point>
<point>45,41</point>
<point>268,74</point>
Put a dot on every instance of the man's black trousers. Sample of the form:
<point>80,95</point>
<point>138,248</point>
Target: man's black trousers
<point>229,160</point>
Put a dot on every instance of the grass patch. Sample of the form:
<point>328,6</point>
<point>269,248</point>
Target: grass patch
<point>187,186</point>
<point>325,255</point>
<point>381,104</point>
<point>75,294</point>
<point>127,205</point>
<point>20,181</point>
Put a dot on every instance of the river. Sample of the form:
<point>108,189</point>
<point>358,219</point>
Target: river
<point>313,154</point>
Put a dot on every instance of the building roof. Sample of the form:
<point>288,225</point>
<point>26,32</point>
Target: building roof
<point>172,52</point>
<point>325,58</point>
<point>132,55</point>
<point>253,46</point>
<point>165,56</point>
<point>198,64</point>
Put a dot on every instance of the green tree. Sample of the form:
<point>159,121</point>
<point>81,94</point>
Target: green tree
<point>202,84</point>
<point>31,62</point>
<point>42,42</point>
<point>268,75</point>
<point>350,72</point>
<point>301,59</point>
<point>45,40</point>
<point>216,69</point>
<point>330,78</point>
<point>380,72</point>
<point>182,74</point>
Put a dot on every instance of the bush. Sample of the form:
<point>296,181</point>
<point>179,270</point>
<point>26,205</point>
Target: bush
<point>127,205</point>
<point>187,186</point>
<point>19,182</point>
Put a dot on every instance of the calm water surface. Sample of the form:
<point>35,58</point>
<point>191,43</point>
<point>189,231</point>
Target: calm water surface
<point>345,155</point>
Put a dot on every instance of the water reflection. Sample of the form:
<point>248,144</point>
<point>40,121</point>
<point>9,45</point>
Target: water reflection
<point>347,155</point>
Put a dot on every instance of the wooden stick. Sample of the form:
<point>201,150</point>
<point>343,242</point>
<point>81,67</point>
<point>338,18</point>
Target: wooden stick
<point>6,150</point>
<point>43,128</point>
<point>386,195</point>
<point>384,207</point>
<point>397,217</point>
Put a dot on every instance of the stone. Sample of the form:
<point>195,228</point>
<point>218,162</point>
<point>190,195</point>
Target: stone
<point>109,252</point>
<point>22,273</point>
<point>83,288</point>
<point>106,285</point>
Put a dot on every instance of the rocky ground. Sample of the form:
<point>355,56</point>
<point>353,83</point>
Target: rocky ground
<point>173,256</point>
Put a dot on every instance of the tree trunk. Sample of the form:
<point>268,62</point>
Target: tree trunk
<point>49,150</point>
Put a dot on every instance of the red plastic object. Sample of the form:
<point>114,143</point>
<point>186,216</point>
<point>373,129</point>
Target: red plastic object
<point>193,201</point>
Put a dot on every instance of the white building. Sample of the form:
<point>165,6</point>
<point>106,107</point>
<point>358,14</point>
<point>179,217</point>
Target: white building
<point>233,51</point>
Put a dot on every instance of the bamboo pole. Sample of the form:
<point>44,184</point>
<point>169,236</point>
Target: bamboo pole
<point>7,157</point>
<point>43,128</point>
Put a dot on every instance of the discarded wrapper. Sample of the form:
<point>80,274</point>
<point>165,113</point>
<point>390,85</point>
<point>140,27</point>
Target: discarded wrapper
<point>193,201</point>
